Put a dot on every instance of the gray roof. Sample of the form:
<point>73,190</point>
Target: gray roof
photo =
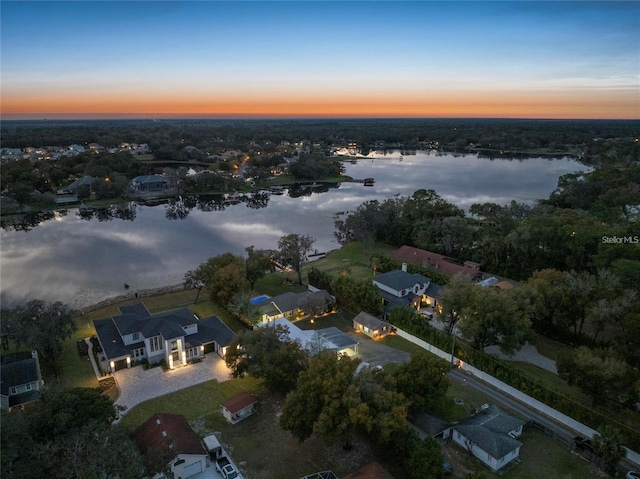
<point>398,279</point>
<point>289,301</point>
<point>341,339</point>
<point>370,321</point>
<point>169,324</point>
<point>489,429</point>
<point>17,374</point>
<point>84,181</point>
<point>497,445</point>
<point>434,290</point>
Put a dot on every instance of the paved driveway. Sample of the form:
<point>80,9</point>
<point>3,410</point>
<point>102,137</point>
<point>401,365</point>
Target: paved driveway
<point>373,352</point>
<point>137,384</point>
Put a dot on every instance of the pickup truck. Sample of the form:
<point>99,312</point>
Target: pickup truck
<point>224,467</point>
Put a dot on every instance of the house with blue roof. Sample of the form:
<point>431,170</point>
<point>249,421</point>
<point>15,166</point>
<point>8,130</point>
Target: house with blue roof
<point>175,336</point>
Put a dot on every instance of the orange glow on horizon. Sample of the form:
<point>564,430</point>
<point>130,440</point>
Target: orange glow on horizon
<point>616,104</point>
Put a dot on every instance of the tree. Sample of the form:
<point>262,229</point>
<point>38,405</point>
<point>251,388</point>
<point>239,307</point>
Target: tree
<point>222,275</point>
<point>244,308</point>
<point>40,326</point>
<point>268,353</point>
<point>491,316</point>
<point>331,401</point>
<point>68,434</point>
<point>599,373</point>
<point>325,401</point>
<point>423,380</point>
<point>425,460</point>
<point>196,279</point>
<point>455,296</point>
<point>293,249</point>
<point>608,445</point>
<point>256,265</point>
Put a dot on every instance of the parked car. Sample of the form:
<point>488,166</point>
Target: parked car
<point>428,315</point>
<point>632,475</point>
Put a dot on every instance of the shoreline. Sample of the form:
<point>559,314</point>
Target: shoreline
<point>144,293</point>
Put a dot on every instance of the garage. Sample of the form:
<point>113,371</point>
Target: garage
<point>192,469</point>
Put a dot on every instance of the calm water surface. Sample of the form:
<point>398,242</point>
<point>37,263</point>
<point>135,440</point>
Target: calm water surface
<point>81,262</point>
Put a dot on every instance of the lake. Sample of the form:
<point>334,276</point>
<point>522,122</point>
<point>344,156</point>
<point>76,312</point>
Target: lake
<point>83,261</point>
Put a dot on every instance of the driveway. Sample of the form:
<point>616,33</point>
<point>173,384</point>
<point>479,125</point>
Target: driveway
<point>373,352</point>
<point>138,385</point>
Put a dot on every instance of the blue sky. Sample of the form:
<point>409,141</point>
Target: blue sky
<point>527,59</point>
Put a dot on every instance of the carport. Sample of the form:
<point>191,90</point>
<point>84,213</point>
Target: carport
<point>343,342</point>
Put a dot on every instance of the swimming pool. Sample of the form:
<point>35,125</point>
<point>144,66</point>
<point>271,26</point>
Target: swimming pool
<point>257,299</point>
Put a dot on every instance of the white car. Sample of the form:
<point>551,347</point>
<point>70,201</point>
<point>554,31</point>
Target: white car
<point>632,475</point>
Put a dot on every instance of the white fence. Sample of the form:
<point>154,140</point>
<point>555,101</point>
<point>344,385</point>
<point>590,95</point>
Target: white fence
<point>513,392</point>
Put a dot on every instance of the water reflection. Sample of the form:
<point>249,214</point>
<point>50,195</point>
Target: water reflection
<point>83,257</point>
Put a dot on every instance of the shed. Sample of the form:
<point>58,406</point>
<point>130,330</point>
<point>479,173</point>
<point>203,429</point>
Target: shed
<point>239,407</point>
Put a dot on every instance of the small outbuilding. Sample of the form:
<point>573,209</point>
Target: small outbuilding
<point>370,325</point>
<point>239,407</point>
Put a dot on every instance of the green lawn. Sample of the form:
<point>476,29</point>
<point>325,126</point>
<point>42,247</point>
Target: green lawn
<point>402,344</point>
<point>196,401</point>
<point>543,457</point>
<point>352,256</point>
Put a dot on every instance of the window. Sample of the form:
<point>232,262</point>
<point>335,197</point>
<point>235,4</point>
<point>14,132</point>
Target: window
<point>174,345</point>
<point>14,390</point>
<point>138,353</point>
<point>135,336</point>
<point>155,343</point>
<point>28,387</point>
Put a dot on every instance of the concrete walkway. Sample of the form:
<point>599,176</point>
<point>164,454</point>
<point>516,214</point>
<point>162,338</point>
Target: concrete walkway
<point>138,385</point>
<point>528,354</point>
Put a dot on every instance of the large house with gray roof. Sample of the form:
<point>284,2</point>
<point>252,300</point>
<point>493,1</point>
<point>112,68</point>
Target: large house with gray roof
<point>175,336</point>
<point>400,288</point>
<point>490,435</point>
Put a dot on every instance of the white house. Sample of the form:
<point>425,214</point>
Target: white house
<point>490,435</point>
<point>400,288</point>
<point>329,338</point>
<point>175,336</point>
<point>172,435</point>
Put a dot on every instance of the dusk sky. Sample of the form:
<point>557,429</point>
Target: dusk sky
<point>320,59</point>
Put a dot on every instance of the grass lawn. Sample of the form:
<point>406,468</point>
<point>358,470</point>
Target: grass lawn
<point>76,371</point>
<point>544,457</point>
<point>274,284</point>
<point>352,256</point>
<point>343,320</point>
<point>196,401</point>
<point>402,344</point>
<point>550,347</point>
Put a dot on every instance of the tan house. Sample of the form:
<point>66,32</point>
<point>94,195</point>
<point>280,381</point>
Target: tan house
<point>239,407</point>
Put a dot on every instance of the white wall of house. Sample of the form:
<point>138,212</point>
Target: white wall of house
<point>190,329</point>
<point>417,288</point>
<point>483,455</point>
<point>132,338</point>
<point>193,464</point>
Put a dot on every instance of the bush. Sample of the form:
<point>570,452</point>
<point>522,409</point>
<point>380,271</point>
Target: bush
<point>83,347</point>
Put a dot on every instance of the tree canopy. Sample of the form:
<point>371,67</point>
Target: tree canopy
<point>293,250</point>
